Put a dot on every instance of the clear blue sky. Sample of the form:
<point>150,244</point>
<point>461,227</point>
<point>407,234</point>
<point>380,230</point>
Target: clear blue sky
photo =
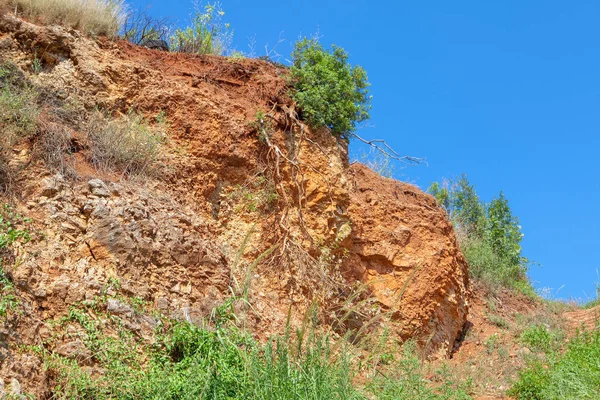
<point>506,92</point>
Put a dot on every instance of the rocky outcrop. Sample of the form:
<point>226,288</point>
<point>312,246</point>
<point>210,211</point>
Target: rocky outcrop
<point>157,250</point>
<point>404,247</point>
<point>184,239</point>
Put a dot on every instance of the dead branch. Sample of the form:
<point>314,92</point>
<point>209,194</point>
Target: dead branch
<point>381,146</point>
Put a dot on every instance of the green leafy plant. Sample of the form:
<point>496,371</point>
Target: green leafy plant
<point>403,379</point>
<point>18,104</point>
<point>540,338</point>
<point>191,362</point>
<point>262,125</point>
<point>8,298</point>
<point>328,90</point>
<point>260,194</point>
<point>208,34</point>
<point>36,65</point>
<point>498,321</point>
<point>9,234</point>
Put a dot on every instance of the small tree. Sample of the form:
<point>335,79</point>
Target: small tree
<point>503,231</point>
<point>462,204</point>
<point>328,91</point>
<point>489,235</point>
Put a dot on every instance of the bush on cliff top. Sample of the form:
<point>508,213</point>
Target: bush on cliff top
<point>328,91</point>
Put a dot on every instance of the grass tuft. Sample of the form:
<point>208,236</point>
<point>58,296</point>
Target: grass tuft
<point>127,144</point>
<point>94,17</point>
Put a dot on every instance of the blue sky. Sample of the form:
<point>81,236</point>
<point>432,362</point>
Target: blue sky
<point>506,92</point>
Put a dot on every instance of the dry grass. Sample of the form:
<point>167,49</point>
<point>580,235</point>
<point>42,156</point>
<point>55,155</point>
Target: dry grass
<point>126,144</point>
<point>19,113</point>
<point>94,17</point>
<point>54,147</point>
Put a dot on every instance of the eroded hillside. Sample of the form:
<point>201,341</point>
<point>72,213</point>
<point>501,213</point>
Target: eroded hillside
<point>243,199</point>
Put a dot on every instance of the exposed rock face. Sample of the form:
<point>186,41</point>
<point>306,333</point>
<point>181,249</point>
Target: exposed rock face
<point>404,245</point>
<point>98,231</point>
<point>183,241</point>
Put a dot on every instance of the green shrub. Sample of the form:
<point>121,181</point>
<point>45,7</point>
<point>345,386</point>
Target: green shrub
<point>539,338</point>
<point>127,144</point>
<point>488,233</point>
<point>94,17</point>
<point>573,375</point>
<point>208,34</point>
<point>531,383</point>
<point>328,91</point>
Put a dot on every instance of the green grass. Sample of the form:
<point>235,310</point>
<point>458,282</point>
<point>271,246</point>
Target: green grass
<point>223,361</point>
<point>572,375</point>
<point>403,380</point>
<point>541,339</point>
<point>8,298</point>
<point>493,271</point>
<point>10,232</point>
<point>19,113</point>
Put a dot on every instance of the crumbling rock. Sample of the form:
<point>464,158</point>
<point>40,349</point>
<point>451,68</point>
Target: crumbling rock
<point>183,241</point>
<point>403,245</point>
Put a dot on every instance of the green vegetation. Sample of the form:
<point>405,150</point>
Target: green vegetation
<point>18,104</point>
<point>94,17</point>
<point>572,375</point>
<point>489,235</point>
<point>540,338</point>
<point>262,125</point>
<point>258,195</point>
<point>188,362</point>
<point>328,91</point>
<point>128,144</point>
<point>208,34</point>
<point>9,234</point>
<point>19,113</point>
<point>403,380</point>
<point>223,361</point>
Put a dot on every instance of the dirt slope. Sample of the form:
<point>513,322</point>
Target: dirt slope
<point>184,239</point>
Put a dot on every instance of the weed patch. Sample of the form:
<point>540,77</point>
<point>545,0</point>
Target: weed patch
<point>10,234</point>
<point>572,375</point>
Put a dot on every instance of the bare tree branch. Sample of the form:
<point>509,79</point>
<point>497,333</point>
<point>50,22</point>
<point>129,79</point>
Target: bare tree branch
<point>381,146</point>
